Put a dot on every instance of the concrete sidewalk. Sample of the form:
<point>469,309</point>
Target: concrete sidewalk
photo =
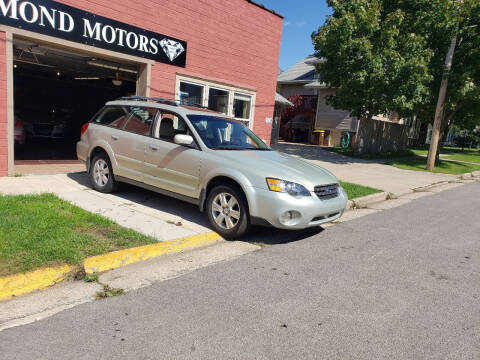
<point>365,172</point>
<point>141,210</point>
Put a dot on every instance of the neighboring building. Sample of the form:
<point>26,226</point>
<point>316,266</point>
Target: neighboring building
<point>291,82</point>
<point>324,124</point>
<point>60,62</point>
<point>280,104</point>
<point>327,126</point>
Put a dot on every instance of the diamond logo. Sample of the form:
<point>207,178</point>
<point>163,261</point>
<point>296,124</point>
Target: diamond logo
<point>172,48</point>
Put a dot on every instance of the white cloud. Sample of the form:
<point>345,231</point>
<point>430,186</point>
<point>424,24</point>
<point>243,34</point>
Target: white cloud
<point>300,23</point>
<point>287,23</point>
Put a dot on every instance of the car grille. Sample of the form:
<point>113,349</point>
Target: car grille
<point>325,192</point>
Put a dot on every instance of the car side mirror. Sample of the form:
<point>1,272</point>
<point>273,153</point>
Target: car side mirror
<point>181,139</point>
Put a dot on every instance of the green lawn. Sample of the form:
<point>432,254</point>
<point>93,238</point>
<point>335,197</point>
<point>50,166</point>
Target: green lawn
<point>420,152</point>
<point>356,191</point>
<point>375,156</point>
<point>472,156</point>
<point>43,230</point>
<point>447,167</point>
<point>454,153</point>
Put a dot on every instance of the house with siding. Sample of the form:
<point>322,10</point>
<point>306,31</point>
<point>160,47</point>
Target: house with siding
<point>327,125</point>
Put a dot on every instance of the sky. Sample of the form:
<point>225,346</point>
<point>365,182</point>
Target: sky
<point>302,17</point>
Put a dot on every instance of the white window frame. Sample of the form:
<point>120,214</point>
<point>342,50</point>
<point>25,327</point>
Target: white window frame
<point>251,103</point>
<point>229,111</point>
<point>192,83</point>
<point>231,89</point>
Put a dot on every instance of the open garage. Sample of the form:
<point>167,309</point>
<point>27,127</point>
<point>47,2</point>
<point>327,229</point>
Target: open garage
<point>55,92</point>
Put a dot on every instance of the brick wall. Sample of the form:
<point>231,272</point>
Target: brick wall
<point>233,40</point>
<point>3,106</point>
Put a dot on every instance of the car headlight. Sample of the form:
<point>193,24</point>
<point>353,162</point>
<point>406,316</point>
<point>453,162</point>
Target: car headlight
<point>291,188</point>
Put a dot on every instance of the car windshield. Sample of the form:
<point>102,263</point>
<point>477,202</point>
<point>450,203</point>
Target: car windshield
<point>226,134</point>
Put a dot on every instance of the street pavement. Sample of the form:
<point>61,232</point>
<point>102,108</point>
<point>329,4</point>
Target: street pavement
<point>397,284</point>
<point>372,173</point>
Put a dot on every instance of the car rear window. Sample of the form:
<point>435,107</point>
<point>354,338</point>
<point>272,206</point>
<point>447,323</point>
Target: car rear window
<point>114,116</point>
<point>140,120</point>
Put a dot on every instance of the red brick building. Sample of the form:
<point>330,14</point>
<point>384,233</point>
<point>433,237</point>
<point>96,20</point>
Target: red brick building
<point>60,61</point>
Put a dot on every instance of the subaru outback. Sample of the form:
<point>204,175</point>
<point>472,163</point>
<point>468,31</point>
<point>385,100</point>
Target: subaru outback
<point>205,158</point>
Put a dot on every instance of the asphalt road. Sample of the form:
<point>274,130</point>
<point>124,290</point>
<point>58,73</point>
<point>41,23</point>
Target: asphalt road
<point>398,284</point>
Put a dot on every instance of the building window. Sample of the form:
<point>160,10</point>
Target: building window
<point>221,97</point>
<point>191,94</point>
<point>242,105</point>
<point>218,100</point>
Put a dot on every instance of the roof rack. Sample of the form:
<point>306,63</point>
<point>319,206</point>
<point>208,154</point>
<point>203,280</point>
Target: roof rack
<point>159,100</point>
<point>151,99</point>
<point>196,105</point>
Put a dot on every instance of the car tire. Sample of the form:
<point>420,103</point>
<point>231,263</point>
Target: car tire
<point>101,174</point>
<point>227,211</point>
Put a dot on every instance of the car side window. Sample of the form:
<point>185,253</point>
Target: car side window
<point>170,125</point>
<point>114,116</point>
<point>140,120</point>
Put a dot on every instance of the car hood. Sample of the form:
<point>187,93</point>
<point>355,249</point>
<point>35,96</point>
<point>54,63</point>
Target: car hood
<point>279,165</point>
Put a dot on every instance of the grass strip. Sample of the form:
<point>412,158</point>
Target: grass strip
<point>356,191</point>
<point>44,230</point>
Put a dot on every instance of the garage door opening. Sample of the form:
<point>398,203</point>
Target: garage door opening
<point>55,92</point>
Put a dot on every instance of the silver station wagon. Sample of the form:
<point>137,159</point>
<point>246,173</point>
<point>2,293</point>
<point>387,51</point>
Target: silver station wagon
<point>205,158</point>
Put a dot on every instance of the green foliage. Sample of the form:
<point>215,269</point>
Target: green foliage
<point>109,292</point>
<point>90,277</point>
<point>388,56</point>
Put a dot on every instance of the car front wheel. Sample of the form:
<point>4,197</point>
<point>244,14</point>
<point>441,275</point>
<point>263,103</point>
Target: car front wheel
<point>227,211</point>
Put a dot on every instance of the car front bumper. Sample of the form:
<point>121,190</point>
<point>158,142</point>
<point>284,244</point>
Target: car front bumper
<point>309,211</point>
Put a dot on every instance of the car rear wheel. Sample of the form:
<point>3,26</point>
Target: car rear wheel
<point>101,174</point>
<point>227,211</point>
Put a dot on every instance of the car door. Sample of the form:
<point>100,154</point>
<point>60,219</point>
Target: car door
<point>131,143</point>
<point>169,166</point>
<point>112,119</point>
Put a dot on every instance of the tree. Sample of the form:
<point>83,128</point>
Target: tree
<point>388,56</point>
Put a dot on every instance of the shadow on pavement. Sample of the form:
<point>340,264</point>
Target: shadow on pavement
<point>155,201</point>
<point>314,152</point>
<point>273,236</point>
<point>191,213</point>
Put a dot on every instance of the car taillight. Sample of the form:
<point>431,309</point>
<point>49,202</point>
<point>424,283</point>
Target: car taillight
<point>84,128</point>
<point>18,123</point>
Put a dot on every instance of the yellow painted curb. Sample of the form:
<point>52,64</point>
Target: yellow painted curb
<point>21,284</point>
<point>124,257</point>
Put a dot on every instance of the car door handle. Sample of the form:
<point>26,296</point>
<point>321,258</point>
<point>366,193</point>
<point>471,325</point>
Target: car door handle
<point>114,137</point>
<point>154,148</point>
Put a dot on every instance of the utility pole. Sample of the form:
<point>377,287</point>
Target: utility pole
<point>439,112</point>
<point>437,124</point>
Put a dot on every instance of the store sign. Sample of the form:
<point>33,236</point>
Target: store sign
<point>69,23</point>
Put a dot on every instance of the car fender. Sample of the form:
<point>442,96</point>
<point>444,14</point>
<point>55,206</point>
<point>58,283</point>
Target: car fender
<point>108,149</point>
<point>236,176</point>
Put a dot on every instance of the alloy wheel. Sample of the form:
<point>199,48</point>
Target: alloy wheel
<point>101,172</point>
<point>226,210</point>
